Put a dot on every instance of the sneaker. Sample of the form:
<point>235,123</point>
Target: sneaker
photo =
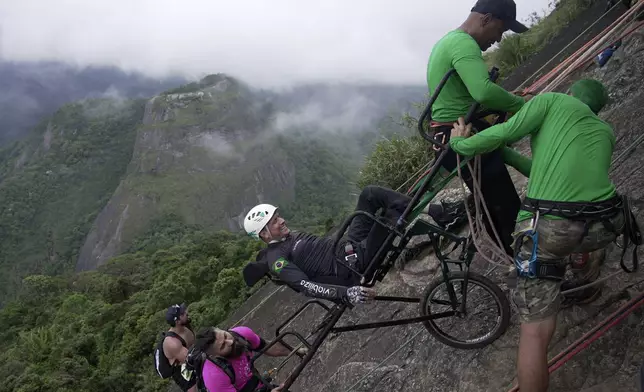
<point>453,216</point>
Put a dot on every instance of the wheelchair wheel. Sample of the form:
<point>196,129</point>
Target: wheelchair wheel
<point>486,316</point>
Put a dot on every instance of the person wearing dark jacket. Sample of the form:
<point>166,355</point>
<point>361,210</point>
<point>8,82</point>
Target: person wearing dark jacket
<point>307,263</point>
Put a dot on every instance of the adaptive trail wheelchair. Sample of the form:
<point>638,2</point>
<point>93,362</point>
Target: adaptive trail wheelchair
<point>457,283</point>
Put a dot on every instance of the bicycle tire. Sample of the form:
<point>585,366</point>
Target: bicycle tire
<point>503,305</point>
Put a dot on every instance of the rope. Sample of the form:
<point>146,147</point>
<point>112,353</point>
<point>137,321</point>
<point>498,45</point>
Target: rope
<point>626,153</point>
<point>570,61</point>
<point>545,78</point>
<point>476,222</point>
<point>594,283</point>
<point>414,175</point>
<point>621,22</point>
<point>384,360</point>
<point>626,177</point>
<point>613,42</point>
<point>411,188</point>
<point>567,46</point>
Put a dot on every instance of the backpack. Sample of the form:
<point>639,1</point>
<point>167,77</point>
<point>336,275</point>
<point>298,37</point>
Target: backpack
<point>161,362</point>
<point>196,360</point>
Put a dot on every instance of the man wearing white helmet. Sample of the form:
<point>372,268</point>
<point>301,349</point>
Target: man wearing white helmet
<point>306,262</point>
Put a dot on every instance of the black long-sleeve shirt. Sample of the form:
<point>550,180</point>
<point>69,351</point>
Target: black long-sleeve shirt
<point>302,261</point>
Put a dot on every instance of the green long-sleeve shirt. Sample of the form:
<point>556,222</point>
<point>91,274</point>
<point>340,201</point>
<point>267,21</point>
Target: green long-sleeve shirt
<point>571,148</point>
<point>472,83</point>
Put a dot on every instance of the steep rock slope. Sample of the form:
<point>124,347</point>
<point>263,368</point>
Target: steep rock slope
<point>420,363</point>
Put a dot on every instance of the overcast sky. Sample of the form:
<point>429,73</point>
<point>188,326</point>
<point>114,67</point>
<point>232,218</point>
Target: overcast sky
<point>264,42</point>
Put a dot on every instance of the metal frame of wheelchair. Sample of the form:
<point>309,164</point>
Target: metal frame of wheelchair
<point>387,254</point>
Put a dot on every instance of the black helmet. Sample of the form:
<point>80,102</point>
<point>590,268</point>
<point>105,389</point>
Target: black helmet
<point>174,312</point>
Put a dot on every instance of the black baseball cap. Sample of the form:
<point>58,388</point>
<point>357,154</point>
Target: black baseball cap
<point>174,312</point>
<point>505,10</point>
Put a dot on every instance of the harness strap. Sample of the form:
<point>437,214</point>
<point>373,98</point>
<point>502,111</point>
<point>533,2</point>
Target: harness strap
<point>592,212</point>
<point>350,254</point>
<point>575,210</point>
<point>551,271</point>
<point>631,233</point>
<point>176,336</point>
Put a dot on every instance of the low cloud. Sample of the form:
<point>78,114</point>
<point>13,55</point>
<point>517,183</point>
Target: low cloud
<point>266,43</point>
<point>356,114</point>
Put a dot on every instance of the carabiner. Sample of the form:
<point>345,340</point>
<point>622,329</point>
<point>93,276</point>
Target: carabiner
<point>527,268</point>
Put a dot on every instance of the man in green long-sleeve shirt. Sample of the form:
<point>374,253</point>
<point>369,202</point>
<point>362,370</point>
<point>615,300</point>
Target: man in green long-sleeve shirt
<point>571,204</point>
<point>460,49</point>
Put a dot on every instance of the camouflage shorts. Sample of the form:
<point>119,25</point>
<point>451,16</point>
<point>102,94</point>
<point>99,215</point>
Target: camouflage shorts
<point>539,299</point>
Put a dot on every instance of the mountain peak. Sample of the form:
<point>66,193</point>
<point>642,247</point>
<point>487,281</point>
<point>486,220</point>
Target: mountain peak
<point>214,82</point>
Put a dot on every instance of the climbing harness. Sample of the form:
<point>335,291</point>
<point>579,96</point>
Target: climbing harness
<point>589,213</point>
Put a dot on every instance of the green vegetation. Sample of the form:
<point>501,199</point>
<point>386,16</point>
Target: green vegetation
<point>397,156</point>
<point>516,48</point>
<point>325,174</point>
<point>394,161</point>
<point>53,185</point>
<point>95,331</point>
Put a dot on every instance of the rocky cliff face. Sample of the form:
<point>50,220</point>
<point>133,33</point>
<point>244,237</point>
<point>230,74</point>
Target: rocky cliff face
<point>414,361</point>
<point>190,157</point>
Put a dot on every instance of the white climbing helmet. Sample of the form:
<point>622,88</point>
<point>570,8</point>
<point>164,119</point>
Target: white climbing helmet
<point>257,218</point>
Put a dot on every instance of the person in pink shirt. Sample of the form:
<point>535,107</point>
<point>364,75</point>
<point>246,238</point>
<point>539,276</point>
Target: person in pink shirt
<point>235,347</point>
